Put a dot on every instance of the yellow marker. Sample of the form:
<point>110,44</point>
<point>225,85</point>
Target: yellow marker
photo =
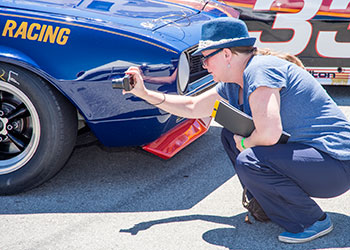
<point>216,105</point>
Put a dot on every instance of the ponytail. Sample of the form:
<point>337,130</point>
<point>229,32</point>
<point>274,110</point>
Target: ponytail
<point>285,56</point>
<point>267,52</point>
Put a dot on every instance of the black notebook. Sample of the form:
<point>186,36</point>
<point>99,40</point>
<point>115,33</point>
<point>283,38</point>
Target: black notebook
<point>237,121</point>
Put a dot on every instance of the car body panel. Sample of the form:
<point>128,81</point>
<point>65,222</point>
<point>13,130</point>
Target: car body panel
<point>80,46</point>
<point>318,32</point>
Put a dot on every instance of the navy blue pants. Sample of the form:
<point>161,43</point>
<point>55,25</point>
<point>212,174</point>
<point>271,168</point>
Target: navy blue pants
<point>284,177</point>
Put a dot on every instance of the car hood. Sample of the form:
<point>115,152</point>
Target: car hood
<point>149,14</point>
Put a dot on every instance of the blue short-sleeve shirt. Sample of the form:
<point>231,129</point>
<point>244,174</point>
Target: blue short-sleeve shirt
<point>308,113</point>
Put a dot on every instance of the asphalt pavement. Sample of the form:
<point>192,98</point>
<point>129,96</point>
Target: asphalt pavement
<point>129,199</point>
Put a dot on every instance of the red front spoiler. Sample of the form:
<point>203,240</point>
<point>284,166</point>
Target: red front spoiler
<point>179,137</point>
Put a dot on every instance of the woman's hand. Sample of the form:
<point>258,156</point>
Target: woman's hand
<point>238,141</point>
<point>139,88</point>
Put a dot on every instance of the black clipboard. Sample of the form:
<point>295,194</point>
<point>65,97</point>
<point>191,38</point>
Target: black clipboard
<point>237,121</point>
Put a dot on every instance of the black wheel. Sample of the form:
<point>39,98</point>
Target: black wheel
<point>38,129</point>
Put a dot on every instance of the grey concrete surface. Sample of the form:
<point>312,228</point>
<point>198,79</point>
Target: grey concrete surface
<point>128,199</point>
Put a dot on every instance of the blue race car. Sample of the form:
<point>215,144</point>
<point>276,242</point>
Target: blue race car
<point>57,62</point>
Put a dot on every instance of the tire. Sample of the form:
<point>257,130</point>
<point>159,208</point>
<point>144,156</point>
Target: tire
<point>38,130</point>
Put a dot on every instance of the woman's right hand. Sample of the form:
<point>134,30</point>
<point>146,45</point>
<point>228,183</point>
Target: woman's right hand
<point>139,88</point>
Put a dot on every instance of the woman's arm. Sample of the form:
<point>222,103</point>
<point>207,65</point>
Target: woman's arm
<point>184,106</point>
<point>265,106</point>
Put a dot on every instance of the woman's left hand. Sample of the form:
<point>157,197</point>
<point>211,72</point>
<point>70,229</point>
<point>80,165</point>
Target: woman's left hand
<point>238,140</point>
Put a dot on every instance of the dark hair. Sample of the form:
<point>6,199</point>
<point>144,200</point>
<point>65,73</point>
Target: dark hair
<point>266,52</point>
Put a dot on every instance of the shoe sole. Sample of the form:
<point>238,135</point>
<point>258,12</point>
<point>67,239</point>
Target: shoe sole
<point>294,240</point>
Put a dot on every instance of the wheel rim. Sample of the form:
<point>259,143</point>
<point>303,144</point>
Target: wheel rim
<point>19,128</point>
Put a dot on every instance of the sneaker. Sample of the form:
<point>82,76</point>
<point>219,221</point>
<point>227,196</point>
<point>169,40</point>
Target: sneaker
<point>318,229</point>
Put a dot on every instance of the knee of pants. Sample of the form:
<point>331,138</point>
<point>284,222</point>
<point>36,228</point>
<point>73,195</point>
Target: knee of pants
<point>246,164</point>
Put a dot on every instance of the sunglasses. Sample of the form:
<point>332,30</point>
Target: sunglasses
<point>205,58</point>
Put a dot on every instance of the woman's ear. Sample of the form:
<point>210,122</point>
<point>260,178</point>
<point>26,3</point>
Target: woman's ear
<point>227,53</point>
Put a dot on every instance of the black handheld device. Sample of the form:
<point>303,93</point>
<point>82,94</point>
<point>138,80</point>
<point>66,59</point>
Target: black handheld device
<point>237,121</point>
<point>125,83</point>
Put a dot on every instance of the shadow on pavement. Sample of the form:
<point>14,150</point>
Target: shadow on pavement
<point>98,179</point>
<point>240,235</point>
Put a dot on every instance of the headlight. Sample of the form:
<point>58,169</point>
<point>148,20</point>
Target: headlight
<point>183,74</point>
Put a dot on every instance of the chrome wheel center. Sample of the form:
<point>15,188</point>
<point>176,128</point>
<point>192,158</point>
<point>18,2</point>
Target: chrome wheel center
<point>19,128</point>
<point>3,124</point>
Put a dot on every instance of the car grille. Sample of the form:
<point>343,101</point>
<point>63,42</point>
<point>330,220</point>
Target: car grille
<point>196,69</point>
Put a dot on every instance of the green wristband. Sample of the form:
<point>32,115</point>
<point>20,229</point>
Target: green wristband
<point>242,143</point>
